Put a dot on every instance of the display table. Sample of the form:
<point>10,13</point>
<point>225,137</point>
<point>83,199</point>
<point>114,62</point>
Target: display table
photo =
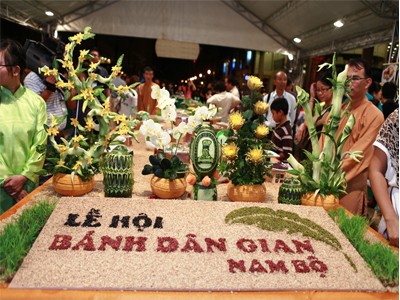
<point>142,190</point>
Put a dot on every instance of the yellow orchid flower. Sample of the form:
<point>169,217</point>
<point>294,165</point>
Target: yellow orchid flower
<point>89,160</point>
<point>93,76</point>
<point>46,70</point>
<point>94,65</point>
<point>52,131</point>
<point>115,71</point>
<point>61,162</point>
<point>77,165</point>
<point>74,122</point>
<point>82,55</point>
<point>68,47</point>
<point>77,138</point>
<point>89,124</point>
<point>78,38</point>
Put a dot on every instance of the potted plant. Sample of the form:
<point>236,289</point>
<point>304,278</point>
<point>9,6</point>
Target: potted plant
<point>245,160</point>
<point>168,170</point>
<point>74,162</point>
<point>323,179</point>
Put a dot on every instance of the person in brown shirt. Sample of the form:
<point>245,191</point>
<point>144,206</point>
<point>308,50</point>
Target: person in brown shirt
<point>145,102</point>
<point>368,120</point>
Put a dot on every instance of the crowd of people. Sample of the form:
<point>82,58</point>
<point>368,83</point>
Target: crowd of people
<point>27,100</point>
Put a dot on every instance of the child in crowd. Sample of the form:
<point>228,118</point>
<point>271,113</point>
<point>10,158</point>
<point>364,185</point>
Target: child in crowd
<point>282,138</point>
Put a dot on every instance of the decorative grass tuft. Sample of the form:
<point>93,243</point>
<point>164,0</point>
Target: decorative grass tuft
<point>383,262</point>
<point>18,237</point>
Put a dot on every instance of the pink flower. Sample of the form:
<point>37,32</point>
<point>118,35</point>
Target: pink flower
<point>191,179</point>
<point>206,181</point>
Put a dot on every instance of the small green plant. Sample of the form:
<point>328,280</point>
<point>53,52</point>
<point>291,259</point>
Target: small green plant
<point>163,167</point>
<point>383,262</point>
<point>18,237</point>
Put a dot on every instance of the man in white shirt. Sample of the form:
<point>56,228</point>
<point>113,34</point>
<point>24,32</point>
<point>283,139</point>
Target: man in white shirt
<point>230,85</point>
<point>280,82</point>
<point>223,100</point>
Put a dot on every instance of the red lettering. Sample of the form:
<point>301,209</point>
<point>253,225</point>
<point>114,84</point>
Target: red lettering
<point>276,267</point>
<point>233,265</point>
<point>256,266</point>
<point>300,266</point>
<point>281,245</point>
<point>264,245</point>
<point>192,245</point>
<point>86,242</point>
<point>167,244</point>
<point>220,244</point>
<point>300,246</point>
<point>140,244</point>
<point>251,247</point>
<point>61,242</point>
<point>114,243</point>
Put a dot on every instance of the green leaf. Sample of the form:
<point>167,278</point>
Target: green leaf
<point>120,59</point>
<point>248,114</point>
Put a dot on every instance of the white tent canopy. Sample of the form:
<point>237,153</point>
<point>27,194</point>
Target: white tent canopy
<point>268,25</point>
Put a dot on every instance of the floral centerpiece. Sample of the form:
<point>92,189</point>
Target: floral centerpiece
<point>245,160</point>
<point>324,175</point>
<point>166,164</point>
<point>80,154</point>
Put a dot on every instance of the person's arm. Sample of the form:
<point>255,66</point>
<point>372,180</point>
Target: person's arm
<point>235,101</point>
<point>377,169</point>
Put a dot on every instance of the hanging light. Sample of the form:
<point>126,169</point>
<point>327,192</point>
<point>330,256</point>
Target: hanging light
<point>49,13</point>
<point>297,40</point>
<point>338,23</point>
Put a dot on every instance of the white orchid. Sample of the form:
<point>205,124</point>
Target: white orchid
<point>160,141</point>
<point>169,113</point>
<point>149,127</point>
<point>192,123</point>
<point>156,92</point>
<point>164,102</point>
<point>212,111</point>
<point>201,113</point>
<point>180,131</point>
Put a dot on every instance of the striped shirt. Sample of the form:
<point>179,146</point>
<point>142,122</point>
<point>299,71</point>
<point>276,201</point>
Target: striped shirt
<point>55,104</point>
<point>282,139</point>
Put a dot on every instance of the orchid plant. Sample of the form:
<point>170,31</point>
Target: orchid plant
<point>160,138</point>
<point>80,155</point>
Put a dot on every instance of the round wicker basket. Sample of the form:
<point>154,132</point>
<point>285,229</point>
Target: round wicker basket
<point>63,185</point>
<point>246,192</point>
<point>167,188</point>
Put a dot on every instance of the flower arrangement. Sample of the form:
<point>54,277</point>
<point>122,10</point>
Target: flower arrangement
<point>326,176</point>
<point>160,138</point>
<point>244,153</point>
<point>80,155</point>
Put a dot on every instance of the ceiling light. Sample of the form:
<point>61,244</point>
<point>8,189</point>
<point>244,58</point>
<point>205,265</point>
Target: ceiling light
<point>49,13</point>
<point>338,23</point>
<point>290,56</point>
<point>297,40</point>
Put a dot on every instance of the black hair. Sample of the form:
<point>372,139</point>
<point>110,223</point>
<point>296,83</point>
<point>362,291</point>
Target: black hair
<point>325,81</point>
<point>389,90</point>
<point>280,104</point>
<point>14,54</point>
<point>360,63</point>
<point>147,69</point>
<point>375,87</point>
<point>289,81</point>
<point>219,86</point>
<point>231,80</point>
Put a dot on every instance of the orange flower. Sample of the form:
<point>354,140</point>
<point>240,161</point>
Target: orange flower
<point>206,181</point>
<point>191,179</point>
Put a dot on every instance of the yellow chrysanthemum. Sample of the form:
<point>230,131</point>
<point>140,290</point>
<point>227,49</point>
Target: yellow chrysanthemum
<point>236,120</point>
<point>261,131</point>
<point>77,165</point>
<point>82,55</point>
<point>89,124</point>
<point>78,37</point>
<point>52,131</point>
<point>230,151</point>
<point>74,122</point>
<point>255,156</point>
<point>260,108</point>
<point>254,83</point>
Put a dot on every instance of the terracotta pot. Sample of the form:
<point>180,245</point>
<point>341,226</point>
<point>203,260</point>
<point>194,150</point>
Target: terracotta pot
<point>168,188</point>
<point>246,192</point>
<point>327,202</point>
<point>62,184</point>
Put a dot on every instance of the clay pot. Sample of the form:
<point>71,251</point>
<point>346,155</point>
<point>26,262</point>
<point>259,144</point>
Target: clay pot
<point>168,188</point>
<point>63,185</point>
<point>246,192</point>
<point>327,202</point>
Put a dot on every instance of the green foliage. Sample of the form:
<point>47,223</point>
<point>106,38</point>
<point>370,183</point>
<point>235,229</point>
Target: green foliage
<point>163,167</point>
<point>383,262</point>
<point>18,237</point>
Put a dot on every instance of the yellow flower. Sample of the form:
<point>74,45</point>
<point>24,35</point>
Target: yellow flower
<point>93,76</point>
<point>89,124</point>
<point>68,47</point>
<point>254,83</point>
<point>83,54</point>
<point>69,85</point>
<point>230,151</point>
<point>54,72</point>
<point>122,88</point>
<point>123,130</point>
<point>94,65</point>
<point>78,37</point>
<point>106,104</point>
<point>260,108</point>
<point>61,162</point>
<point>261,131</point>
<point>255,156</point>
<point>60,84</point>
<point>52,131</point>
<point>236,120</point>
<point>62,148</point>
<point>87,94</point>
<point>53,123</point>
<point>72,72</point>
<point>68,64</point>
<point>89,160</point>
<point>74,122</point>
<point>116,70</point>
<point>77,138</point>
<point>77,165</point>
<point>120,118</point>
<point>46,71</point>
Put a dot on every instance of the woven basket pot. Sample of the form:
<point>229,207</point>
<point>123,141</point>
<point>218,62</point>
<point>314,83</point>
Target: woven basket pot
<point>327,202</point>
<point>63,185</point>
<point>246,192</point>
<point>168,188</point>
